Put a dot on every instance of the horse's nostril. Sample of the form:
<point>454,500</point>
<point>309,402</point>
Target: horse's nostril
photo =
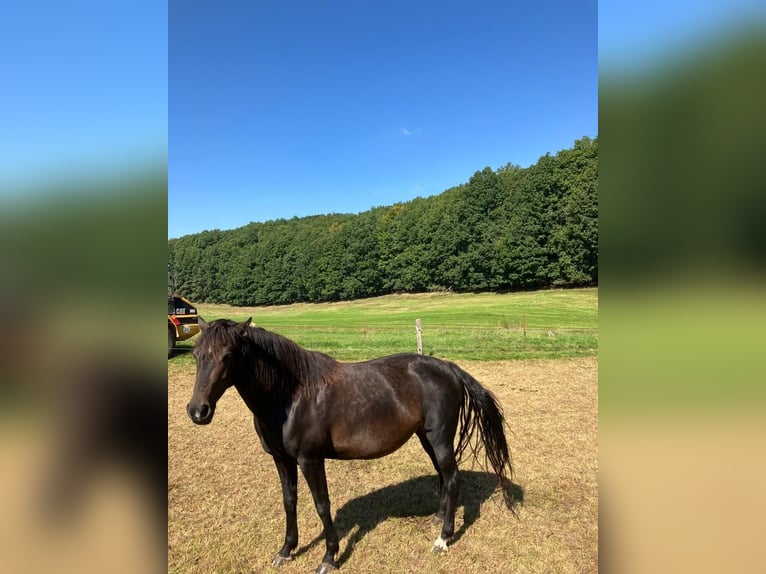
<point>199,414</point>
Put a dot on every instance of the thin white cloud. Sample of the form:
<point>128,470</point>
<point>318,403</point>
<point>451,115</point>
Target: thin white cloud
<point>409,132</point>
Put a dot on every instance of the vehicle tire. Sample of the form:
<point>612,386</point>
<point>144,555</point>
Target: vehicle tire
<point>171,341</point>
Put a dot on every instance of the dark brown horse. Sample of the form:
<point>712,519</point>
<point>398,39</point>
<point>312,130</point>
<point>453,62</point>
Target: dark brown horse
<point>308,407</point>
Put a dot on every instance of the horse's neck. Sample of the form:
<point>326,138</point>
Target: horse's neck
<point>264,389</point>
<point>289,370</point>
<point>293,367</point>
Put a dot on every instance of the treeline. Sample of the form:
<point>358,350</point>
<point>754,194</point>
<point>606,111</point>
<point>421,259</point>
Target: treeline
<point>510,229</point>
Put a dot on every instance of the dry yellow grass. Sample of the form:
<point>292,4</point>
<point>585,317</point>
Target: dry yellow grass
<point>225,507</point>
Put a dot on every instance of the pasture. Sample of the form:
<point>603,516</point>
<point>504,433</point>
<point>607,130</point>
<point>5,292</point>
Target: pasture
<point>224,500</point>
<point>485,326</point>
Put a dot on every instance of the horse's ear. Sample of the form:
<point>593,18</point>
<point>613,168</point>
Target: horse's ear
<point>202,323</point>
<point>246,325</point>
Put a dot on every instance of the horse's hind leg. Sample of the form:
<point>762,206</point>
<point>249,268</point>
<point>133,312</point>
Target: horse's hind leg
<point>314,472</point>
<point>445,456</point>
<point>439,516</point>
<point>444,461</point>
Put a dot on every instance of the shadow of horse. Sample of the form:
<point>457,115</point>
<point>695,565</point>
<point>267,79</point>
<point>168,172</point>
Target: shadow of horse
<point>417,497</point>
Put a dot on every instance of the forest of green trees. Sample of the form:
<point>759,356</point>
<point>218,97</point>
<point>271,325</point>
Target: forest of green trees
<point>511,229</point>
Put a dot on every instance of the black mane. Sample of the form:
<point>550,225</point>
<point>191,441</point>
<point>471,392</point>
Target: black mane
<point>272,355</point>
<point>308,368</point>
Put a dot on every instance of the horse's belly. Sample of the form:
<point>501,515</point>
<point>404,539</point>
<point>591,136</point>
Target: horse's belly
<point>372,438</point>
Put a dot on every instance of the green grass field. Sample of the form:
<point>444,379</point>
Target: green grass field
<point>485,326</point>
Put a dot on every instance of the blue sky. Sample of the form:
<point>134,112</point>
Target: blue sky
<point>282,109</point>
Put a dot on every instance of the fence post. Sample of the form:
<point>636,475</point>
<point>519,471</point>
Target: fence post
<point>419,333</point>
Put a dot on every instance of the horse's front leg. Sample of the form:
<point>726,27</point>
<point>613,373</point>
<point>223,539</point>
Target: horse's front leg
<point>314,472</point>
<point>288,476</point>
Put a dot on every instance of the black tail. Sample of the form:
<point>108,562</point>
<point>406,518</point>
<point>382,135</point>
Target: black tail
<point>481,411</point>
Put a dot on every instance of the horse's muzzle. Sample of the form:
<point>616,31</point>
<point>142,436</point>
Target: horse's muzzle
<point>201,414</point>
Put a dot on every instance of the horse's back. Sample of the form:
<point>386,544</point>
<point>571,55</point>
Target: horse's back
<point>430,386</point>
<point>429,374</point>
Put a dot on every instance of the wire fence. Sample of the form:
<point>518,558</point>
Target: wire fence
<point>449,341</point>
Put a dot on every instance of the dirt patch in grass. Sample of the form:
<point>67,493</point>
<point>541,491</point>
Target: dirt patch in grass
<point>225,504</point>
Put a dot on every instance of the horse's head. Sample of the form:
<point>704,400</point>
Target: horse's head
<point>218,354</point>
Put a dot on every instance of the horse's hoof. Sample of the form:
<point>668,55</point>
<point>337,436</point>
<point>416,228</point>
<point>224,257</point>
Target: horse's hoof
<point>281,560</point>
<point>326,567</point>
<point>440,546</point>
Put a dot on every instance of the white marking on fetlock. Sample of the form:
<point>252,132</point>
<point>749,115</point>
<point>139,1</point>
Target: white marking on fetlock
<point>281,560</point>
<point>440,545</point>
